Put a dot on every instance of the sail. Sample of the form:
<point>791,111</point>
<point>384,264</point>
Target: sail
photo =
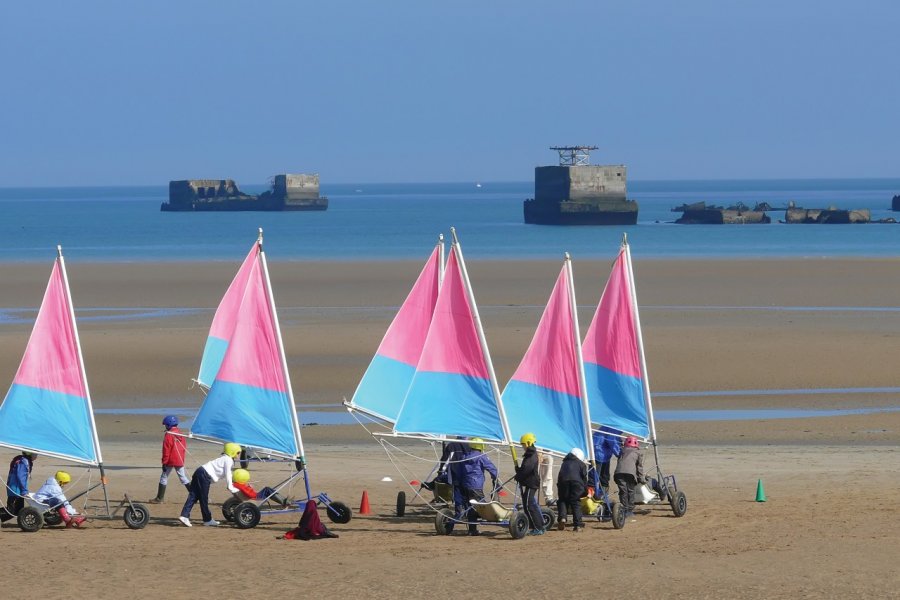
<point>249,401</point>
<point>451,393</point>
<point>48,407</point>
<point>612,361</point>
<point>544,395</point>
<point>224,321</point>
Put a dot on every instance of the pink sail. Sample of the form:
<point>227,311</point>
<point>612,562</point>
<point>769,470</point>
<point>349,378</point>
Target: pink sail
<point>453,345</point>
<point>551,361</point>
<point>611,340</point>
<point>51,360</point>
<point>253,357</point>
<point>226,314</point>
<point>406,335</point>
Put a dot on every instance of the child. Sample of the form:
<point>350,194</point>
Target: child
<point>51,493</point>
<point>529,480</point>
<point>629,471</point>
<point>468,476</point>
<point>173,448</point>
<point>571,485</point>
<point>606,446</point>
<point>203,477</point>
<point>17,484</point>
<point>241,478</point>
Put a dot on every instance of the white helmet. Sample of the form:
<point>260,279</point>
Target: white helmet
<point>578,453</point>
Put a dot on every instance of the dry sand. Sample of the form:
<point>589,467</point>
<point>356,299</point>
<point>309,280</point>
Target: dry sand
<point>828,528</point>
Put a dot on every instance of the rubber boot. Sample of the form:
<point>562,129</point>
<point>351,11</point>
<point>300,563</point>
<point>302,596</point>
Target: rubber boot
<point>69,520</point>
<point>160,495</point>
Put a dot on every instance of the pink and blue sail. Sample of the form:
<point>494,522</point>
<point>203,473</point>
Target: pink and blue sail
<point>224,321</point>
<point>545,396</point>
<point>612,357</point>
<point>452,393</point>
<point>48,408</point>
<point>383,387</point>
<point>250,401</point>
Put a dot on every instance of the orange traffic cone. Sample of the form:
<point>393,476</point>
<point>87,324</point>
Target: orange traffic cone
<point>364,504</point>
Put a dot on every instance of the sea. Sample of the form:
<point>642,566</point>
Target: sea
<point>402,221</point>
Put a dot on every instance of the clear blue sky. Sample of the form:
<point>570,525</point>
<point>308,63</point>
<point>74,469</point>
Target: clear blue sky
<point>119,92</point>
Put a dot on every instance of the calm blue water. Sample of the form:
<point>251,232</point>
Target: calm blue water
<point>373,221</point>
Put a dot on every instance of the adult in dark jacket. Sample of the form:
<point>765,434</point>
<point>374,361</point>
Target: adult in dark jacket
<point>529,480</point>
<point>629,472</point>
<point>571,485</point>
<point>17,484</point>
<point>605,447</point>
<point>467,473</point>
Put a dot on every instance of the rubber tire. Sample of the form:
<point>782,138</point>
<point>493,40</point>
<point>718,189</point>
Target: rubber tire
<point>618,516</point>
<point>518,525</point>
<point>136,516</point>
<point>30,519</point>
<point>548,516</point>
<point>678,502</point>
<point>52,518</point>
<point>247,515</point>
<point>443,521</point>
<point>401,504</point>
<point>338,512</point>
<point>228,508</point>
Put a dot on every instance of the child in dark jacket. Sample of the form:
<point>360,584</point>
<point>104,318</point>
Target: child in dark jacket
<point>467,473</point>
<point>17,484</point>
<point>571,485</point>
<point>629,472</point>
<point>529,480</point>
<point>174,447</point>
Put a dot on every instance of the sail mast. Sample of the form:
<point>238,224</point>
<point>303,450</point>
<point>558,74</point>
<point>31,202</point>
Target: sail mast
<point>81,367</point>
<point>582,380</point>
<point>440,260</point>
<point>483,341</point>
<point>287,376</point>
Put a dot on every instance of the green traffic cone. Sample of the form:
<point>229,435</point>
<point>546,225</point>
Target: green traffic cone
<point>760,492</point>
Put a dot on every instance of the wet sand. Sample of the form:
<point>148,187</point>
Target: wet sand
<point>708,326</point>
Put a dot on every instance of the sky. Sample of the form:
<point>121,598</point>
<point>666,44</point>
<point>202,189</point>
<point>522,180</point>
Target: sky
<point>139,93</point>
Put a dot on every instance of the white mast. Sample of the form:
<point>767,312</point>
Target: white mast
<point>582,382</point>
<point>84,380</point>
<point>484,347</point>
<point>440,260</point>
<point>284,367</point>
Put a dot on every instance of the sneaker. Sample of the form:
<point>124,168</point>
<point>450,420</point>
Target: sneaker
<point>536,532</point>
<point>561,526</point>
<point>186,521</point>
<point>577,529</point>
<point>211,523</point>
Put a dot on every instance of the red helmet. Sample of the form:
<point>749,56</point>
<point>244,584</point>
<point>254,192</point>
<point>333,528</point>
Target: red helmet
<point>631,442</point>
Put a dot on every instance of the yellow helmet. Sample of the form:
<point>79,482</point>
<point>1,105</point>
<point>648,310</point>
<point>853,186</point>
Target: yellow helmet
<point>241,476</point>
<point>62,478</point>
<point>528,439</point>
<point>233,450</point>
<point>477,444</point>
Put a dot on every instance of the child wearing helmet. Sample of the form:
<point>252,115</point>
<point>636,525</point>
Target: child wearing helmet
<point>571,485</point>
<point>203,477</point>
<point>17,484</point>
<point>51,493</point>
<point>467,475</point>
<point>241,480</point>
<point>174,447</point>
<point>629,472</point>
<point>529,480</point>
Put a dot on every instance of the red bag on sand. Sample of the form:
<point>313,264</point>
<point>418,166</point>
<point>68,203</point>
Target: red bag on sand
<point>310,527</point>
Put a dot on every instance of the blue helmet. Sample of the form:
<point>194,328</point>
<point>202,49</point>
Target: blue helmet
<point>170,421</point>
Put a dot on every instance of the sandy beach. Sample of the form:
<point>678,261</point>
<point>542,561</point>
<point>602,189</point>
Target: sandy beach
<point>828,528</point>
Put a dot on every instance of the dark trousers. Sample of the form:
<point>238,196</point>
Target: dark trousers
<point>604,475</point>
<point>13,505</point>
<point>198,491</point>
<point>529,501</point>
<point>467,511</point>
<point>569,494</point>
<point>626,483</point>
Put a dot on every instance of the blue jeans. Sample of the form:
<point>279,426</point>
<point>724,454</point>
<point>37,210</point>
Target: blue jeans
<point>198,491</point>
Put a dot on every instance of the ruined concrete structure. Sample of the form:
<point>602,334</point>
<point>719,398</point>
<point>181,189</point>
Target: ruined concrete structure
<point>288,192</point>
<point>895,204</point>
<point>830,215</point>
<point>577,193</point>
<point>699,213</point>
